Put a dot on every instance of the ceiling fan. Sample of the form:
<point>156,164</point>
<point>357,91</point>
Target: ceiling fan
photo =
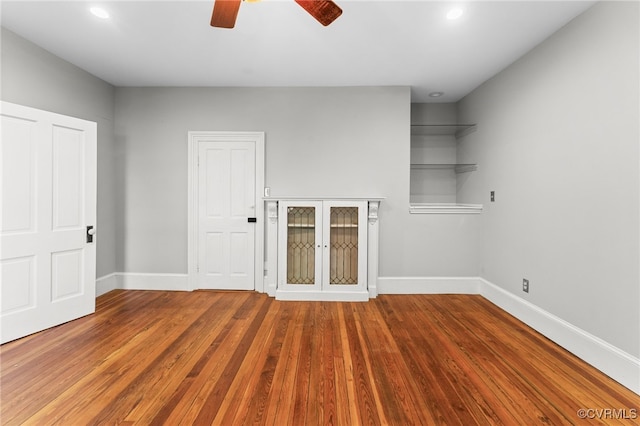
<point>225,11</point>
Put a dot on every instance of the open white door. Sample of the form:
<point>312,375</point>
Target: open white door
<point>47,247</point>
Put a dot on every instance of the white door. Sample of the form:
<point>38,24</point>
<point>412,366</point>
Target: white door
<point>226,215</point>
<point>47,264</point>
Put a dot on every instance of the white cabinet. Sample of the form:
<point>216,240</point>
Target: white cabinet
<point>325,250</point>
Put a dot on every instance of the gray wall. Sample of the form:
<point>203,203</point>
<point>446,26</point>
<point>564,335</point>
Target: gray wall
<point>319,141</point>
<point>33,77</point>
<point>558,141</point>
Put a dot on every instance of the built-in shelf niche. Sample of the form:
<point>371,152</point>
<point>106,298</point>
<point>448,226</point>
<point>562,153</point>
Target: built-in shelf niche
<point>456,130</point>
<point>457,168</point>
<point>435,173</point>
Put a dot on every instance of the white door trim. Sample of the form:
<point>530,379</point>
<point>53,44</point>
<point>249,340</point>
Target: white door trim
<point>194,138</point>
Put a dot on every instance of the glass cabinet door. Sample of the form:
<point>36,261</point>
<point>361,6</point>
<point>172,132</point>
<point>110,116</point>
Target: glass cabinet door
<point>323,246</point>
<point>301,245</point>
<point>345,245</point>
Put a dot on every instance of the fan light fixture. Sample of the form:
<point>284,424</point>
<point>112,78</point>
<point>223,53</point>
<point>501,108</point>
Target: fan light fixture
<point>455,13</point>
<point>225,12</point>
<point>99,12</point>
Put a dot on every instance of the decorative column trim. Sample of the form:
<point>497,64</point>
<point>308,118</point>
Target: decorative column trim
<point>272,211</point>
<point>373,211</point>
<point>372,248</point>
<point>271,254</point>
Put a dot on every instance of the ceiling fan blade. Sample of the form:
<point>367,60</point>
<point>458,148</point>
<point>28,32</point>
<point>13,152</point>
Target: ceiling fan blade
<point>225,13</point>
<point>325,11</point>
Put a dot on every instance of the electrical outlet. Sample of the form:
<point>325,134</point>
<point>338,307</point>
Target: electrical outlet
<point>493,196</point>
<point>525,285</point>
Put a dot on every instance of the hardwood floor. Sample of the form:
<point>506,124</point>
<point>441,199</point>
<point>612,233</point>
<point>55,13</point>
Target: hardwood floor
<point>170,358</point>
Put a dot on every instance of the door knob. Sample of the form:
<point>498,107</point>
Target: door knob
<point>251,219</point>
<point>90,233</point>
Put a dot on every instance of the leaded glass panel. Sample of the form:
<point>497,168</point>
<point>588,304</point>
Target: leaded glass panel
<point>344,246</point>
<point>301,245</point>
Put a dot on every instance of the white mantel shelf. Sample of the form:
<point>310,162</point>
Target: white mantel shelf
<point>445,208</point>
<point>305,197</point>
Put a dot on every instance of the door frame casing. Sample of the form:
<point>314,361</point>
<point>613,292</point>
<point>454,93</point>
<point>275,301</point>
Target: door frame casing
<point>194,138</point>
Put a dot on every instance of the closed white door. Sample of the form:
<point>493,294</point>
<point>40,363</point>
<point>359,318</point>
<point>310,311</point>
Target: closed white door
<point>226,215</point>
<point>47,250</point>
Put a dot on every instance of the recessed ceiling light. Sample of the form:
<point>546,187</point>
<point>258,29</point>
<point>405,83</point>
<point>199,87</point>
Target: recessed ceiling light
<point>99,12</point>
<point>436,94</point>
<point>455,13</point>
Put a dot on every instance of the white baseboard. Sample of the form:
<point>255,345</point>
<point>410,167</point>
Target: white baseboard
<point>106,283</point>
<point>428,285</point>
<point>612,361</point>
<point>137,281</point>
<point>325,296</point>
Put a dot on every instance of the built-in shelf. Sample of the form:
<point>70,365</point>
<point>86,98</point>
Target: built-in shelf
<point>333,225</point>
<point>444,208</point>
<point>457,130</point>
<point>436,176</point>
<point>458,168</point>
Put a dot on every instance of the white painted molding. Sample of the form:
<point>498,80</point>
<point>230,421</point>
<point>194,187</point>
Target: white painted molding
<point>373,243</point>
<point>612,361</point>
<point>141,281</point>
<point>325,296</point>
<point>428,285</point>
<point>271,252</point>
<point>321,198</point>
<point>374,206</point>
<point>272,211</point>
<point>106,283</point>
<point>166,282</point>
<point>445,208</point>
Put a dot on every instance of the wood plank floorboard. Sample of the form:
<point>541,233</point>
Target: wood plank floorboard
<point>240,358</point>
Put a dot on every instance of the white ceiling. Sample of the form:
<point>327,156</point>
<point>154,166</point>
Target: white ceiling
<point>276,43</point>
